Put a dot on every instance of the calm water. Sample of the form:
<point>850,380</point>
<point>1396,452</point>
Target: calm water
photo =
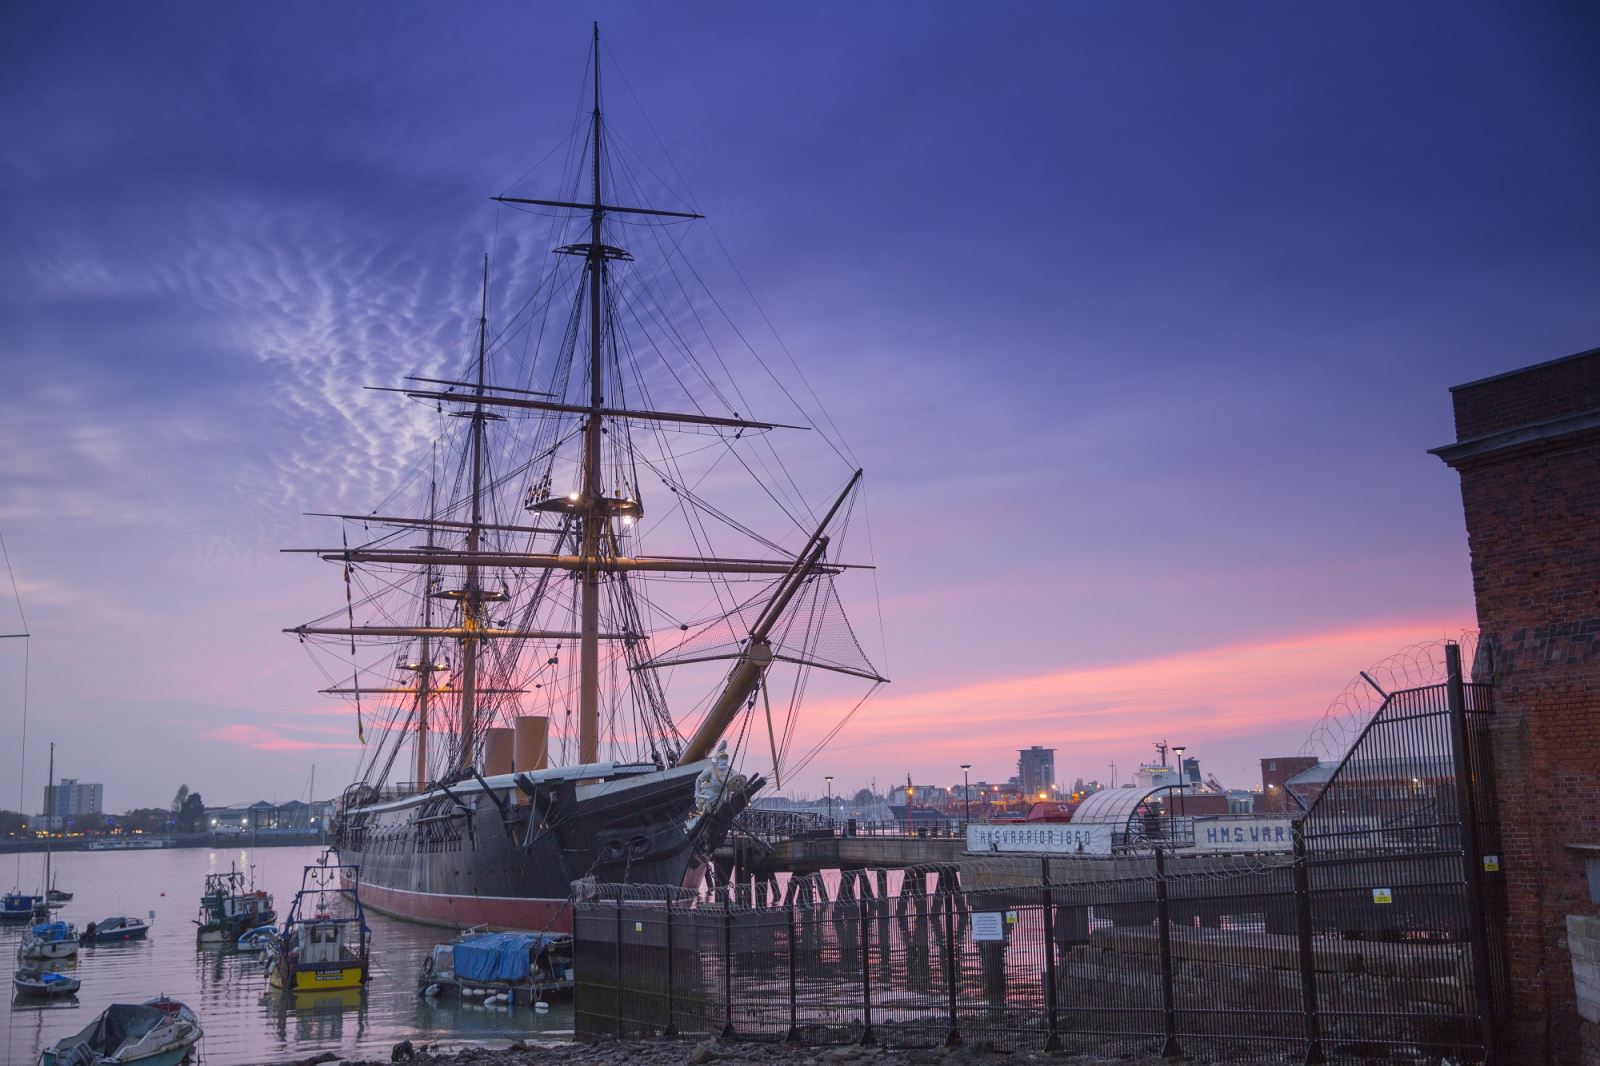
<point>244,1021</point>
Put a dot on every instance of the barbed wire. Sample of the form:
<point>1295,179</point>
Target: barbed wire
<point>1413,666</point>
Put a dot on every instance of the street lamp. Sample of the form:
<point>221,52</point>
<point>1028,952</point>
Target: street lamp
<point>966,790</point>
<point>1174,800</point>
<point>829,780</point>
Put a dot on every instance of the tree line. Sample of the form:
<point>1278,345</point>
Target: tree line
<point>186,814</point>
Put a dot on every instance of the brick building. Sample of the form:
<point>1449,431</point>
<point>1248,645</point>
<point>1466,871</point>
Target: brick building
<point>1528,453</point>
<point>1275,775</point>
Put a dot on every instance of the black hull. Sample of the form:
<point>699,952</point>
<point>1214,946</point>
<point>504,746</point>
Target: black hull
<point>507,857</point>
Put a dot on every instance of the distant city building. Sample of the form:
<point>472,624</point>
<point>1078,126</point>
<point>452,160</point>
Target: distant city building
<point>295,816</point>
<point>66,800</point>
<point>1036,770</point>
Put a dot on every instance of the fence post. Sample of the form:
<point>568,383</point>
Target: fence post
<point>1471,857</point>
<point>953,1037</point>
<point>793,1035</point>
<point>727,971</point>
<point>867,1039</point>
<point>622,998</point>
<point>1053,1040</point>
<point>1169,1012</point>
<point>672,1022</point>
<point>1308,968</point>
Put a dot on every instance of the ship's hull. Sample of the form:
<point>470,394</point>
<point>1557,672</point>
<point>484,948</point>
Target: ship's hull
<point>507,857</point>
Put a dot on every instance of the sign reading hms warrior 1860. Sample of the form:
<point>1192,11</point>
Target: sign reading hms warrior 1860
<point>1052,837</point>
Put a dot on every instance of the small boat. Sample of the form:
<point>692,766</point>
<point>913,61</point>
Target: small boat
<point>49,940</point>
<point>257,939</point>
<point>228,909</point>
<point>44,984</point>
<point>112,930</point>
<point>158,1032</point>
<point>17,907</point>
<point>325,950</point>
<point>518,969</point>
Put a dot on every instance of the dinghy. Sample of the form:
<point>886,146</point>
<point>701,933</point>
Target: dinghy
<point>44,984</point>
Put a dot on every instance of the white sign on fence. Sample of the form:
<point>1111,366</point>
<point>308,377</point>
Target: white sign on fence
<point>987,925</point>
<point>1243,833</point>
<point>1055,838</point>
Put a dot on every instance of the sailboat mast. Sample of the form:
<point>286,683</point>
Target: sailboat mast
<point>589,652</point>
<point>471,597</point>
<point>50,783</point>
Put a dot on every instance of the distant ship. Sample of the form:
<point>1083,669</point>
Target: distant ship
<point>127,844</point>
<point>521,624</point>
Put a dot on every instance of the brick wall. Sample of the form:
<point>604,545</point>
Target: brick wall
<point>1528,453</point>
<point>1275,773</point>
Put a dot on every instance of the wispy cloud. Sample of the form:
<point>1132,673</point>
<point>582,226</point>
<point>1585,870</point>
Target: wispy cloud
<point>261,739</point>
<point>1221,700</point>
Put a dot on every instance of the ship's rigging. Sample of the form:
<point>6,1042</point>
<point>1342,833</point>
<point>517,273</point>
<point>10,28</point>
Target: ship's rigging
<point>525,583</point>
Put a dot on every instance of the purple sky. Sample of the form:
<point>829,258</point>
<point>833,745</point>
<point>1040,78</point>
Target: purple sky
<point>1140,316</point>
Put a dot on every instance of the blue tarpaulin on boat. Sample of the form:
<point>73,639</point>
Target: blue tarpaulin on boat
<point>52,931</point>
<point>497,956</point>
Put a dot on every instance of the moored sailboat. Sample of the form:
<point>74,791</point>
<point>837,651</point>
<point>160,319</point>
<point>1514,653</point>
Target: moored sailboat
<point>537,641</point>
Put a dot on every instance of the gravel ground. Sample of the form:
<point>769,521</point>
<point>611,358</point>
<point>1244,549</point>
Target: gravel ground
<point>680,1053</point>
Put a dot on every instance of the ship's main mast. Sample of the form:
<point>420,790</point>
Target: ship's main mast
<point>472,596</point>
<point>589,653</point>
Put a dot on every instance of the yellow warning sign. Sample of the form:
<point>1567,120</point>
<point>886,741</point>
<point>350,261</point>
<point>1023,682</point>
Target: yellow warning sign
<point>1383,895</point>
<point>1491,863</point>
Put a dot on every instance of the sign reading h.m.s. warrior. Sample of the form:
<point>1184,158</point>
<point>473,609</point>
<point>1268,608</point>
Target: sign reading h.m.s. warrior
<point>1051,838</point>
<point>1243,833</point>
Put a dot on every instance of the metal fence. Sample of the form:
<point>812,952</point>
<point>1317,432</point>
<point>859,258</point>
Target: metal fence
<point>1376,937</point>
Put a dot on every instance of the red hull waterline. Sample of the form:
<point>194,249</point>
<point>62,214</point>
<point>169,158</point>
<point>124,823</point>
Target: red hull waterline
<point>459,912</point>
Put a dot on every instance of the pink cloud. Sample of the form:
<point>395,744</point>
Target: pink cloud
<point>250,736</point>
<point>1219,701</point>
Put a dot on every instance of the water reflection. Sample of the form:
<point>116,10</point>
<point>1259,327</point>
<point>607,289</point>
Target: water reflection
<point>244,1022</point>
<point>322,1017</point>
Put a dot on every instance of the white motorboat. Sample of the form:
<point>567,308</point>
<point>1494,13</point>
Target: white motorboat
<point>49,940</point>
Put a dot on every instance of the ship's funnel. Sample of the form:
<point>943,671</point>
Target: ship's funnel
<point>497,751</point>
<point>532,743</point>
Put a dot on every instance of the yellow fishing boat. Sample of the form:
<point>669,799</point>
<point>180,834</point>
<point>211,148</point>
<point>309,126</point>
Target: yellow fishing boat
<point>329,947</point>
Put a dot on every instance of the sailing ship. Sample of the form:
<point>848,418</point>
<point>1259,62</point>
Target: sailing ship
<point>530,644</point>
